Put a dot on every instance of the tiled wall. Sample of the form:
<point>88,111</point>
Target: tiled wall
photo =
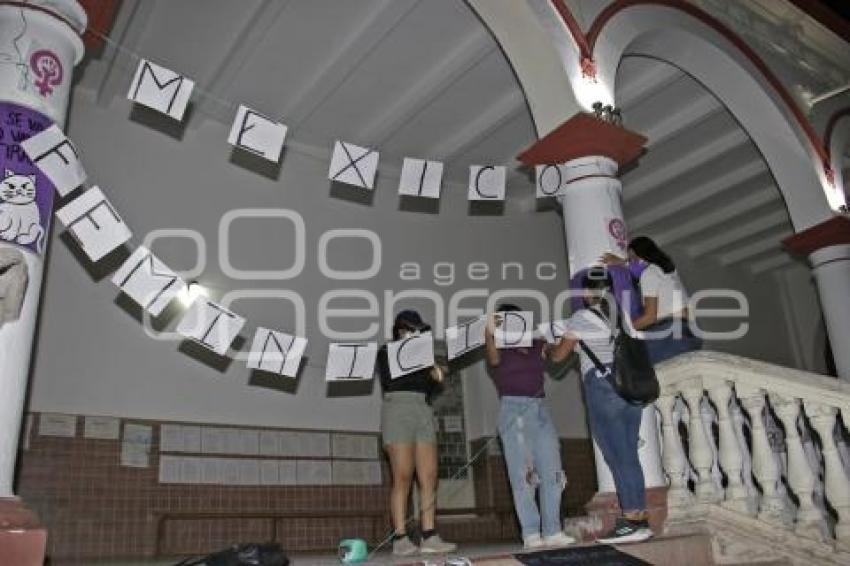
<point>94,508</point>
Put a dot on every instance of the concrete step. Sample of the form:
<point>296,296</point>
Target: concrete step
<point>673,550</point>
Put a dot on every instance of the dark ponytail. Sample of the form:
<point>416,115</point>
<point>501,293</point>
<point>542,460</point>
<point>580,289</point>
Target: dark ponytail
<point>648,250</point>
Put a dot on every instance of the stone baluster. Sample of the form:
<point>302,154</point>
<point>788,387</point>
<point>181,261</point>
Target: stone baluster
<point>772,507</point>
<point>709,420</point>
<point>679,497</point>
<point>823,420</point>
<point>700,451</point>
<point>742,428</point>
<point>809,521</point>
<point>731,458</point>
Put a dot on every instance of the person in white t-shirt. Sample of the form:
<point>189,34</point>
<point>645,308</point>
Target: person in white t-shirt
<point>614,422</point>
<point>665,320</point>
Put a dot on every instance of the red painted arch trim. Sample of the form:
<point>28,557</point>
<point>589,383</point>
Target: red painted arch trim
<point>830,127</point>
<point>574,29</point>
<point>619,5</point>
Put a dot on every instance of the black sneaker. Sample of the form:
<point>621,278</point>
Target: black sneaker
<point>627,531</point>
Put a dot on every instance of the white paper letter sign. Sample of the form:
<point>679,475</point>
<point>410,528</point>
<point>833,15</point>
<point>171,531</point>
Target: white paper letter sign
<point>57,158</point>
<point>210,325</point>
<point>410,354</point>
<point>465,337</point>
<point>487,182</point>
<point>257,134</point>
<point>353,165</point>
<point>351,361</point>
<point>148,281</point>
<point>94,223</point>
<point>276,352</point>
<point>552,331</point>
<point>550,180</point>
<point>420,178</point>
<point>516,329</point>
<point>161,89</point>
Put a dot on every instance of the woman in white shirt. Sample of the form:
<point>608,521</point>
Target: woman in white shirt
<point>665,320</point>
<point>614,422</point>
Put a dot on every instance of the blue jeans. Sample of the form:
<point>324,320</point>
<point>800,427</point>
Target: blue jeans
<point>533,457</point>
<point>674,338</point>
<point>615,426</point>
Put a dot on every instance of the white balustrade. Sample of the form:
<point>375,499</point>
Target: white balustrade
<point>823,419</point>
<point>760,480</point>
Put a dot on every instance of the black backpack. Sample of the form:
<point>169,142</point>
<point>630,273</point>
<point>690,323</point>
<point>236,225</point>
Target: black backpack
<point>633,376</point>
<point>263,554</point>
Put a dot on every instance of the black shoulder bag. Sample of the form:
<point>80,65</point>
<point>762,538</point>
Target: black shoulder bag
<point>633,375</point>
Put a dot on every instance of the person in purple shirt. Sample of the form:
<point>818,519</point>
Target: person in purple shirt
<point>529,441</point>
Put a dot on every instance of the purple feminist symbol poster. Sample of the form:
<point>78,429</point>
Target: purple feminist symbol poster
<point>26,194</point>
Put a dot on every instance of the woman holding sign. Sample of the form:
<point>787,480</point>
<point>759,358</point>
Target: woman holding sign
<point>529,441</point>
<point>410,439</point>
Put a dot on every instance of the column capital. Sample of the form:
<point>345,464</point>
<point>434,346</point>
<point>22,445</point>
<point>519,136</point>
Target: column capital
<point>833,232</point>
<point>584,135</point>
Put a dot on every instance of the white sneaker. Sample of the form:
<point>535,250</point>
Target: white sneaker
<point>435,545</point>
<point>404,547</point>
<point>557,540</point>
<point>532,542</point>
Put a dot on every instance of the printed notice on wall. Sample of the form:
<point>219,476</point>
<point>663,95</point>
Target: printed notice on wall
<point>55,424</point>
<point>104,428</point>
<point>136,445</point>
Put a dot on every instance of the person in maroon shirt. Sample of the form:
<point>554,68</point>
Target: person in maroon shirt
<point>529,441</point>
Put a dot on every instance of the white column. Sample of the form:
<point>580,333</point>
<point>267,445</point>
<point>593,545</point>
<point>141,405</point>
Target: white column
<point>831,267</point>
<point>44,42</point>
<point>591,200</point>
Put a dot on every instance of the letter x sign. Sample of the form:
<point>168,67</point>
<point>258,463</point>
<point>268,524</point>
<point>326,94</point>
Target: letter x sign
<point>353,165</point>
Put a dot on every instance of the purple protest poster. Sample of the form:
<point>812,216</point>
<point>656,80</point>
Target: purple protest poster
<point>26,194</point>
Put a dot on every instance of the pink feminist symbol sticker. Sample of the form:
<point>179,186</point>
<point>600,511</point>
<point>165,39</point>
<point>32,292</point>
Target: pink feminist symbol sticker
<point>47,67</point>
<point>617,229</point>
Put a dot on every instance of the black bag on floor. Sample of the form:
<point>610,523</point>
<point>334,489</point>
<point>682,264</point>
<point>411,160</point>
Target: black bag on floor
<point>265,554</point>
<point>633,376</point>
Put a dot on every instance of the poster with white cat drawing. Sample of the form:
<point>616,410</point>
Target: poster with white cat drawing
<point>26,201</point>
<point>26,194</point>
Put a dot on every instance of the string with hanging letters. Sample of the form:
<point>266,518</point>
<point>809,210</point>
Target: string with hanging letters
<point>98,229</point>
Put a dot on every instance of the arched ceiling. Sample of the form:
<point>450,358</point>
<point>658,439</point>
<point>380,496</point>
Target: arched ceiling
<point>702,184</point>
<point>417,78</point>
<point>425,78</point>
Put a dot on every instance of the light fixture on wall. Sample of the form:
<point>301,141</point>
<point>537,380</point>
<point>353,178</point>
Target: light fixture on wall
<point>608,113</point>
<point>192,291</point>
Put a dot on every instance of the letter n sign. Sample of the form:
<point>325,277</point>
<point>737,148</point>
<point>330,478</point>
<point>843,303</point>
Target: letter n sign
<point>161,89</point>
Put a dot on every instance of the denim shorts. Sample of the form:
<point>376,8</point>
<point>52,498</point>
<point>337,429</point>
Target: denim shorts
<point>407,418</point>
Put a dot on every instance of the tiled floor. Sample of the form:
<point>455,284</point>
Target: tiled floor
<point>694,550</point>
<point>470,551</point>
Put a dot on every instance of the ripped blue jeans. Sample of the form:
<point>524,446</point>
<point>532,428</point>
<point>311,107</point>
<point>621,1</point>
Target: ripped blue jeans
<point>533,457</point>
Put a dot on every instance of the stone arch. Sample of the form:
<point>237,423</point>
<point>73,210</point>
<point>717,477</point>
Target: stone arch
<point>702,47</point>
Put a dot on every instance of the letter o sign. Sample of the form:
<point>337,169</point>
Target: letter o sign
<point>331,273</point>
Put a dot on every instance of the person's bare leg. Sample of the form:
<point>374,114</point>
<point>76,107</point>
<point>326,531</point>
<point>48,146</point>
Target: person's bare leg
<point>402,465</point>
<point>426,477</point>
<point>426,474</point>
